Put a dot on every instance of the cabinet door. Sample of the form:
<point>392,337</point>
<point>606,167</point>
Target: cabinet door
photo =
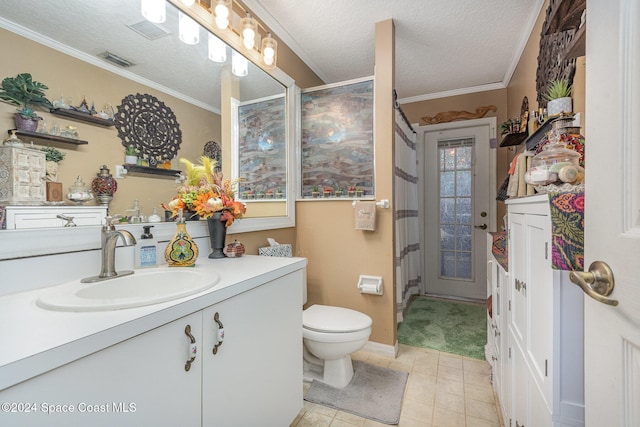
<point>538,289</point>
<point>139,382</point>
<point>255,377</point>
<point>520,389</point>
<point>517,269</point>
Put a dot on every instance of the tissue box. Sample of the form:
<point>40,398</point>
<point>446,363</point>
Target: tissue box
<point>278,250</point>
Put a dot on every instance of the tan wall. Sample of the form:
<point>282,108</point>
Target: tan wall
<point>337,252</point>
<point>76,79</point>
<point>73,78</point>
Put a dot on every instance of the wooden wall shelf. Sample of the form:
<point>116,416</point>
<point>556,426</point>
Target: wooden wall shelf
<point>513,139</point>
<point>46,137</point>
<point>80,116</point>
<point>145,170</point>
<point>578,46</point>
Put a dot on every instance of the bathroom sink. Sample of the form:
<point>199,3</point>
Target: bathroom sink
<point>137,290</point>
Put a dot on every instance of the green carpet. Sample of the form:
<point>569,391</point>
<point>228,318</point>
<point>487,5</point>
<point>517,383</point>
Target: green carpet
<point>452,327</point>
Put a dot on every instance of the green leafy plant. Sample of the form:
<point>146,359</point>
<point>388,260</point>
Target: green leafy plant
<point>506,126</point>
<point>25,92</point>
<point>130,151</point>
<point>559,88</point>
<point>52,154</point>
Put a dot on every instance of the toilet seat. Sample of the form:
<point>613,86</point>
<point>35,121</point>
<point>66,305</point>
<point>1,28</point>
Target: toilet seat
<point>329,319</point>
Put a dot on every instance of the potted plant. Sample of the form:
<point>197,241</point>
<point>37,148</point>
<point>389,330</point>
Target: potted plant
<point>359,192</point>
<point>558,97</point>
<point>269,194</point>
<point>53,156</point>
<point>130,155</point>
<point>351,191</point>
<point>27,93</point>
<point>338,192</point>
<point>327,192</point>
<point>279,193</point>
<point>316,192</point>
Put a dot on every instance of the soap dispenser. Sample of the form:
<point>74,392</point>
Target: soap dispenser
<point>181,251</point>
<point>146,249</point>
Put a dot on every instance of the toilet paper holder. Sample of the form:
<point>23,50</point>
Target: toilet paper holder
<point>370,284</point>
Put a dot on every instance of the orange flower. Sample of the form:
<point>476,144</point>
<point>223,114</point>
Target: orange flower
<point>206,192</point>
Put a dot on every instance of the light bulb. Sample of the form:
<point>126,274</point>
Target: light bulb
<point>249,26</point>
<point>248,38</point>
<point>217,49</point>
<point>154,10</point>
<point>222,11</point>
<point>269,46</point>
<point>239,64</point>
<point>222,23</point>
<point>188,29</point>
<point>268,60</point>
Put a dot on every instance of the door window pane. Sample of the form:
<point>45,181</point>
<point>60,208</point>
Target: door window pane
<point>456,208</point>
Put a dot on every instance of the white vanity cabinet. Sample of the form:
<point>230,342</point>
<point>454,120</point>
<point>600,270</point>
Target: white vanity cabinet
<point>254,378</point>
<point>544,324</point>
<point>138,382</point>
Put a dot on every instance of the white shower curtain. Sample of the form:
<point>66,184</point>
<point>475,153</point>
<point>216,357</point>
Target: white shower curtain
<point>407,223</point>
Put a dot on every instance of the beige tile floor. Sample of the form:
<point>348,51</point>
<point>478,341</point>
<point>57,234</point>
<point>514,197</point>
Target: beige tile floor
<point>443,390</point>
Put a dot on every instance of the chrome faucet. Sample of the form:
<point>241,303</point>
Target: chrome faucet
<point>109,239</point>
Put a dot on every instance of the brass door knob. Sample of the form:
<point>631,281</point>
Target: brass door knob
<point>598,282</point>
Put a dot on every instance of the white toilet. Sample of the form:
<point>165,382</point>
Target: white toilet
<point>330,335</point>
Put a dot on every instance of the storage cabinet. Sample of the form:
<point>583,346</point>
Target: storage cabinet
<point>21,217</point>
<point>23,173</point>
<point>539,379</point>
<point>253,378</point>
<point>497,336</point>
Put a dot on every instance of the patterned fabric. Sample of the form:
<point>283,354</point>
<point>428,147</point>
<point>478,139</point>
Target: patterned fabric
<point>406,218</point>
<point>499,249</point>
<point>567,231</point>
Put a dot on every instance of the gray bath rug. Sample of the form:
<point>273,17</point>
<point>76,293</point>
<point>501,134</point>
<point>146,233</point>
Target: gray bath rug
<point>374,392</point>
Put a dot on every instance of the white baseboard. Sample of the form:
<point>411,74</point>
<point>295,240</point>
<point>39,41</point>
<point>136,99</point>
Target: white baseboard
<point>381,349</point>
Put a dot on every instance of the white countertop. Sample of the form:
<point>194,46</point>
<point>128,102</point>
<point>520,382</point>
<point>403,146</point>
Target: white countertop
<point>34,340</point>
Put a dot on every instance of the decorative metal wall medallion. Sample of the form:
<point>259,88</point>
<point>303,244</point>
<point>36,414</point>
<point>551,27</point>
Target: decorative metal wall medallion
<point>149,125</point>
<point>552,64</point>
<point>213,151</point>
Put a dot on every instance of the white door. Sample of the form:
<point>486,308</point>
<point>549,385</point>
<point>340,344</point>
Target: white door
<point>612,212</point>
<point>459,206</point>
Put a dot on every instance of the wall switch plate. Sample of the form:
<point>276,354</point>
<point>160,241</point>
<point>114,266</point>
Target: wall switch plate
<point>120,171</point>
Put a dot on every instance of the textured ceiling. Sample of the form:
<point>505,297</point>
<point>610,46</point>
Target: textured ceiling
<point>84,29</point>
<point>442,46</point>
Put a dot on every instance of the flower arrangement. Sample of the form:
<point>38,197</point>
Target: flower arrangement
<point>205,192</point>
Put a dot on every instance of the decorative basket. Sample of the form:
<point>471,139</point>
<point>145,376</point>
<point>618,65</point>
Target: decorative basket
<point>234,250</point>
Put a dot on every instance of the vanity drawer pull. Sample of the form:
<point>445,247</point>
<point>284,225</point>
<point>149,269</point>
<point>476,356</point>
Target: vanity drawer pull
<point>220,336</point>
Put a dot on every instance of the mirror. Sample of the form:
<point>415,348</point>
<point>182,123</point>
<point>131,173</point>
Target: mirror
<point>88,30</point>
